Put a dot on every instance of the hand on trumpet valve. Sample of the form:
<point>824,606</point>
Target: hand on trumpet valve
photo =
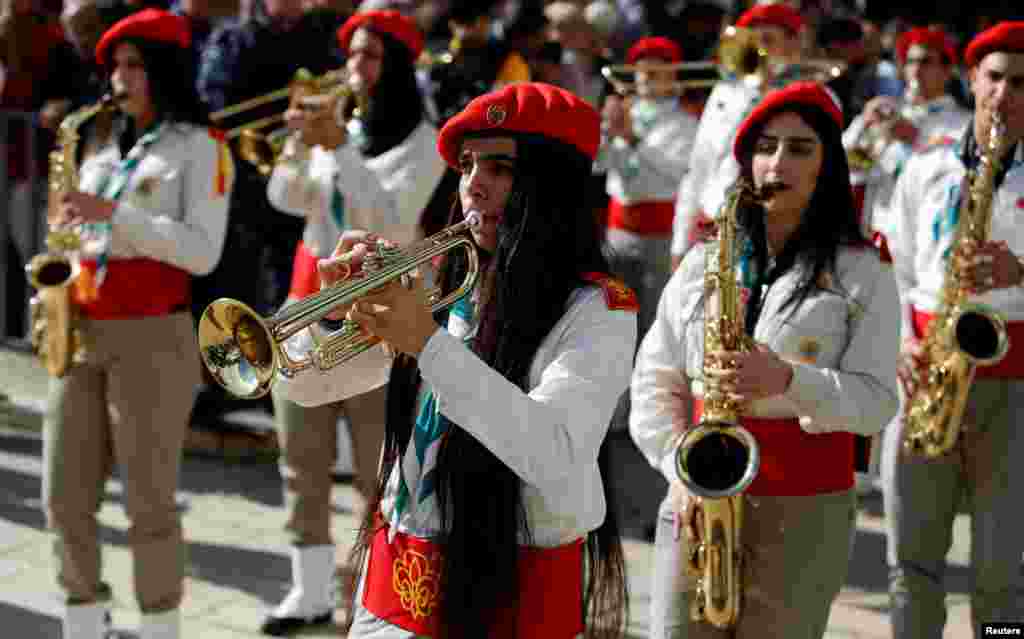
<point>617,119</point>
<point>346,261</point>
<point>80,208</point>
<point>313,118</point>
<point>879,109</point>
<point>750,376</point>
<point>398,313</point>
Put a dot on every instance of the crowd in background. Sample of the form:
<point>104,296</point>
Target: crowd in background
<point>250,47</point>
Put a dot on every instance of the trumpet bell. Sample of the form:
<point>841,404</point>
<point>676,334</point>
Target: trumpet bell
<point>717,460</point>
<point>237,347</point>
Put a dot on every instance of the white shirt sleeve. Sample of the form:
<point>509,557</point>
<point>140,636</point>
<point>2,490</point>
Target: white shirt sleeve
<point>362,190</point>
<point>860,394</point>
<point>297,188</point>
<point>193,243</point>
<point>560,424</point>
<point>901,238</point>
<point>660,411</point>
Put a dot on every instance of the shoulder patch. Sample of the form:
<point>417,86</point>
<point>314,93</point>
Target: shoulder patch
<point>617,295</point>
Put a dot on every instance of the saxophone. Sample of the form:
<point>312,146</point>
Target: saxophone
<point>718,459</point>
<point>53,272</point>
<point>962,335</point>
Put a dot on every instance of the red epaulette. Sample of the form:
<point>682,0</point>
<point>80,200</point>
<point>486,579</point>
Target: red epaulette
<point>617,295</point>
<point>216,133</point>
<point>878,239</point>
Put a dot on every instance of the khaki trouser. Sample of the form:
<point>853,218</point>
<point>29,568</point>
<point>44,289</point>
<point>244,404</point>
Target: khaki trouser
<point>309,446</point>
<point>796,562</point>
<point>128,403</point>
<point>921,501</point>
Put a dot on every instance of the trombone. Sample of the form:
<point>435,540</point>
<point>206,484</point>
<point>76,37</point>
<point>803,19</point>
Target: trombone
<point>244,351</point>
<point>305,89</point>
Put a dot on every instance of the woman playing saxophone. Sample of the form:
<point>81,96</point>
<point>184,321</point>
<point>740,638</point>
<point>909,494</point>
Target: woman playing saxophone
<point>822,312</point>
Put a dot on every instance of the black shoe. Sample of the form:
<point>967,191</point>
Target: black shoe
<point>284,626</point>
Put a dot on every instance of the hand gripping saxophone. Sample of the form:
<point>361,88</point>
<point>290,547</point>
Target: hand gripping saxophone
<point>718,459</point>
<point>52,273</point>
<point>962,335</point>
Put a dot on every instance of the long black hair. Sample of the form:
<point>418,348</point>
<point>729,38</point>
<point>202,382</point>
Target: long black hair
<point>829,222</point>
<point>546,242</point>
<point>171,75</point>
<point>397,104</point>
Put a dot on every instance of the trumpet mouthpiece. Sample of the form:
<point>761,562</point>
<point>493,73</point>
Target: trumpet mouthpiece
<point>473,219</point>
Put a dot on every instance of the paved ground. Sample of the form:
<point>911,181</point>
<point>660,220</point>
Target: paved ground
<point>232,508</point>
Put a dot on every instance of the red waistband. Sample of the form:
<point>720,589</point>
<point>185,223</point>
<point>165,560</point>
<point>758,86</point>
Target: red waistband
<point>402,587</point>
<point>305,280</point>
<point>794,462</point>
<point>643,218</point>
<point>1010,367</point>
<point>136,287</point>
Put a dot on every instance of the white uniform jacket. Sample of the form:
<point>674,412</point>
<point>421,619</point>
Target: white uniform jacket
<point>174,208</point>
<point>842,342</point>
<point>549,437</point>
<point>384,194</point>
<point>652,169</point>
<point>728,104</point>
<point>937,119</point>
<point>921,233</point>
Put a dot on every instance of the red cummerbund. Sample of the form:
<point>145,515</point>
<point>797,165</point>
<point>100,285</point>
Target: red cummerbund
<point>136,287</point>
<point>402,588</point>
<point>305,279</point>
<point>1011,366</point>
<point>642,218</point>
<point>794,462</point>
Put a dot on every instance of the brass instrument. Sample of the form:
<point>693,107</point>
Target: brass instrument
<point>244,351</point>
<point>651,78</point>
<point>873,140</point>
<point>429,60</point>
<point>56,341</point>
<point>264,149</point>
<point>718,459</point>
<point>962,335</point>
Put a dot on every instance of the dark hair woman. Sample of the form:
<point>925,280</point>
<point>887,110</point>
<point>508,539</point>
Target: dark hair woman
<point>823,312</point>
<point>490,499</point>
<point>151,210</point>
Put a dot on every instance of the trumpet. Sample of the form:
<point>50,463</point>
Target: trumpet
<point>244,351</point>
<point>264,150</point>
<point>661,78</point>
<point>874,140</point>
<point>428,60</point>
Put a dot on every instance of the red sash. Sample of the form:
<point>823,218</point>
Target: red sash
<point>642,218</point>
<point>794,462</point>
<point>1011,366</point>
<point>305,279</point>
<point>136,287</point>
<point>402,587</point>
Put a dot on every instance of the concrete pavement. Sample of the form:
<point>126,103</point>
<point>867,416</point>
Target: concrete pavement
<point>233,516</point>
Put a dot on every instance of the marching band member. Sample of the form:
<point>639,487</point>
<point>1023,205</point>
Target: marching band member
<point>382,182</point>
<point>644,150</point>
<point>490,490</point>
<point>823,311</point>
<point>778,27</point>
<point>925,115</point>
<point>922,496</point>
<point>154,204</point>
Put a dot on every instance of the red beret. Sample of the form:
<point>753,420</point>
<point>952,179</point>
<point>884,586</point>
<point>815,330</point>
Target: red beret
<point>806,93</point>
<point>526,107</point>
<point>393,23</point>
<point>1005,36</point>
<point>662,48</point>
<point>155,25</point>
<point>773,15</point>
<point>934,39</point>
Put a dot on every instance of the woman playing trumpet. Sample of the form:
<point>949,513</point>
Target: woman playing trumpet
<point>490,493</point>
<point>375,171</point>
<point>153,201</point>
<point>824,315</point>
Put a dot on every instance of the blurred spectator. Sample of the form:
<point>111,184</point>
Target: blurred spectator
<point>842,38</point>
<point>481,61</point>
<point>583,50</point>
<point>245,59</point>
<point>27,41</point>
<point>694,25</point>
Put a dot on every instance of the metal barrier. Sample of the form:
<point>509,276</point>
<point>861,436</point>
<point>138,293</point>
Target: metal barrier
<point>22,224</point>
